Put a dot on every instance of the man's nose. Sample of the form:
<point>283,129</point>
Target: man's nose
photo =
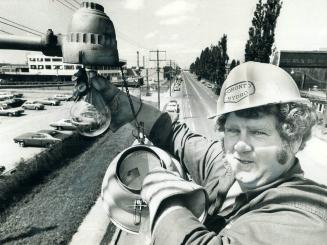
<point>242,146</point>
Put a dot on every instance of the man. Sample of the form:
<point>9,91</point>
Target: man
<point>265,123</point>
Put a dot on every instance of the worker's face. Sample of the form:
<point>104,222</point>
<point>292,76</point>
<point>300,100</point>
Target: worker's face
<point>255,150</point>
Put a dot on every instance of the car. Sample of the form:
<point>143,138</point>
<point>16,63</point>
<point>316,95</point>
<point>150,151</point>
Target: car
<point>11,95</point>
<point>172,106</point>
<point>33,105</point>
<point>63,124</point>
<point>11,112</point>
<point>61,97</point>
<point>48,101</point>
<point>88,121</point>
<point>209,85</point>
<point>4,105</point>
<point>14,102</point>
<point>177,88</point>
<point>36,139</point>
<point>55,133</point>
<point>6,96</point>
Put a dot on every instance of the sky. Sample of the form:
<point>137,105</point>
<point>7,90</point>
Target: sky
<point>182,28</point>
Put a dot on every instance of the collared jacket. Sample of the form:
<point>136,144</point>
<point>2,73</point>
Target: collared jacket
<point>291,210</point>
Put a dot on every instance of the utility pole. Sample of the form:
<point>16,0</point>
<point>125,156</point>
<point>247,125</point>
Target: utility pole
<point>147,83</point>
<point>138,56</point>
<point>171,77</point>
<point>158,70</point>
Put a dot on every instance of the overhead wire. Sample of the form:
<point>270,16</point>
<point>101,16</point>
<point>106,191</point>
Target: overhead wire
<point>72,9</point>
<point>67,1</point>
<point>77,2</point>
<point>20,28</point>
<point>6,32</point>
<point>21,25</point>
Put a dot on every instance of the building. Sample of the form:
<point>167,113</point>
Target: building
<point>308,68</point>
<point>40,68</point>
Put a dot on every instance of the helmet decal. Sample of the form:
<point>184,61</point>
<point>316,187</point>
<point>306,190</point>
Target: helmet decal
<point>238,91</point>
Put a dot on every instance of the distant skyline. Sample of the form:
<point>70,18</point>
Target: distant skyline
<point>180,27</point>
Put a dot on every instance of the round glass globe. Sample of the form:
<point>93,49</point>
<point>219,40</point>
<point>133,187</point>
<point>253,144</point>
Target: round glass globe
<point>91,115</point>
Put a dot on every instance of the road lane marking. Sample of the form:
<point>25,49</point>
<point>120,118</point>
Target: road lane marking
<point>202,99</point>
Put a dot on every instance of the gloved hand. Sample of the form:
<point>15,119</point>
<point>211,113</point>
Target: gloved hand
<point>162,185</point>
<point>117,101</point>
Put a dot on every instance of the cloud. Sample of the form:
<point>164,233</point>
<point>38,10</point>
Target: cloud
<point>151,34</point>
<point>134,4</point>
<point>174,20</point>
<point>179,7</point>
<point>174,37</point>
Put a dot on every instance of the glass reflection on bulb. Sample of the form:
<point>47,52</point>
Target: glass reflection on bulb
<point>90,114</point>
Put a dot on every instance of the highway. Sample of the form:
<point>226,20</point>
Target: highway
<point>198,102</point>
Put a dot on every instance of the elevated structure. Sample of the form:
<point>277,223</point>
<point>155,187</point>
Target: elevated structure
<point>308,68</point>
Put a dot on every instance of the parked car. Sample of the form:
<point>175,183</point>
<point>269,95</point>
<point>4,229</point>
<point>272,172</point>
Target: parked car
<point>172,106</point>
<point>11,112</point>
<point>33,105</point>
<point>63,124</point>
<point>6,96</point>
<point>14,102</point>
<point>48,101</point>
<point>87,121</point>
<point>36,139</point>
<point>177,88</point>
<point>55,133</point>
<point>61,97</point>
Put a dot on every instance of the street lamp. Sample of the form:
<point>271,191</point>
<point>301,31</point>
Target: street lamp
<point>303,77</point>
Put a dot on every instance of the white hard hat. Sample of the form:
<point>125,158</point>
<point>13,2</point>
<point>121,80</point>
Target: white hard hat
<point>253,84</point>
<point>121,186</point>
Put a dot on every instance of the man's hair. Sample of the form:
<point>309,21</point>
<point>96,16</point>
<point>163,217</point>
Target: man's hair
<point>294,120</point>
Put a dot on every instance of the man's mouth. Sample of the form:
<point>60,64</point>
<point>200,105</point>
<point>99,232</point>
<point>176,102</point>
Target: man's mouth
<point>244,161</point>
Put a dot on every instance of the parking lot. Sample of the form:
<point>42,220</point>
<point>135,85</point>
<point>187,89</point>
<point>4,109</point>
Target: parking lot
<point>30,121</point>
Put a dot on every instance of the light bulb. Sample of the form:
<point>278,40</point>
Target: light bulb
<point>90,114</point>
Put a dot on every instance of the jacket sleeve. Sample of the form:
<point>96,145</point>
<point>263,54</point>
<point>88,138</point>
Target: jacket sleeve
<point>257,228</point>
<point>202,158</point>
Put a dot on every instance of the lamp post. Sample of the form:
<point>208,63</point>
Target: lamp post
<point>303,77</point>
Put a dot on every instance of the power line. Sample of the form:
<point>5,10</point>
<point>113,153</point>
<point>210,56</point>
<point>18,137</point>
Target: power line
<point>6,32</point>
<point>66,5</point>
<point>19,28</point>
<point>21,25</point>
<point>77,2</point>
<point>71,4</point>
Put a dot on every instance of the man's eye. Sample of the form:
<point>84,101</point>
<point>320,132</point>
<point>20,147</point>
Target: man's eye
<point>231,130</point>
<point>256,132</point>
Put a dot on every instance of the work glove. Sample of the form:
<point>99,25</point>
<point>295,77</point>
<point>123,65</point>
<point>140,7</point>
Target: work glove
<point>162,186</point>
<point>115,99</point>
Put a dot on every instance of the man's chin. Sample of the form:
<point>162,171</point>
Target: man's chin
<point>246,181</point>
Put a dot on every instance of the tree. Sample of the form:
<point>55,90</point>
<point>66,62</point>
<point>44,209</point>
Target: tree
<point>212,63</point>
<point>167,72</point>
<point>262,32</point>
<point>222,62</point>
<point>233,64</point>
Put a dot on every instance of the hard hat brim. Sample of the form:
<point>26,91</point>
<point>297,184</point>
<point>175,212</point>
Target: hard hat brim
<point>300,100</point>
